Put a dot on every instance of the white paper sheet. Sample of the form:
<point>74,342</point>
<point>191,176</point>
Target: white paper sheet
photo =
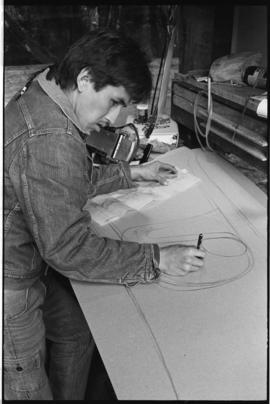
<point>111,207</point>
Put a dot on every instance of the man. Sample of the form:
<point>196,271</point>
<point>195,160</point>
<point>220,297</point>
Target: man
<point>49,177</point>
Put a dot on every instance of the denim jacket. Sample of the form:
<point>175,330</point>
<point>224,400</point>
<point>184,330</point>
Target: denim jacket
<point>48,178</point>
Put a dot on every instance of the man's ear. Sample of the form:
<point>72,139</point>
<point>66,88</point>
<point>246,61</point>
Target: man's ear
<point>83,79</point>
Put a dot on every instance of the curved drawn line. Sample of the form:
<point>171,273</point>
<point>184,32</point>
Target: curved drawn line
<point>162,225</point>
<point>186,285</point>
<point>226,238</point>
<point>223,193</point>
<point>154,339</point>
<point>187,238</point>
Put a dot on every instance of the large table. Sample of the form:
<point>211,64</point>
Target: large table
<point>199,337</point>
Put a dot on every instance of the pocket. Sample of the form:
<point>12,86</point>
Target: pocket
<point>18,302</point>
<point>15,303</point>
<point>25,374</point>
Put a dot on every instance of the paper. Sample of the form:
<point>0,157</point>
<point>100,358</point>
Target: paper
<point>111,207</point>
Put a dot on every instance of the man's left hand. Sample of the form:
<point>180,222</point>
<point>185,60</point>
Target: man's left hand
<point>153,171</point>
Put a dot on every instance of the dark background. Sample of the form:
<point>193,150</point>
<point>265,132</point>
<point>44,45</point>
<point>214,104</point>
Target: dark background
<point>40,33</point>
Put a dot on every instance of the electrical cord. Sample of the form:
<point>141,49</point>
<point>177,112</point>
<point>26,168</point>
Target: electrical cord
<point>197,128</point>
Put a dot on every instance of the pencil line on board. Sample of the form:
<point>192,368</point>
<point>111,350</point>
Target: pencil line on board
<point>240,212</point>
<point>181,282</point>
<point>153,233</point>
<point>237,249</point>
<point>154,340</point>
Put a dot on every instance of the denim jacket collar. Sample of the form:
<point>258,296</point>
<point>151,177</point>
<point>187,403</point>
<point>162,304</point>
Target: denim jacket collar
<point>59,97</point>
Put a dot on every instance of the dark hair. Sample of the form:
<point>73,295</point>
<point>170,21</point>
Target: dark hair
<point>111,58</point>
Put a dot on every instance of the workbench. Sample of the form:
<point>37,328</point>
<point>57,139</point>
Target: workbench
<point>199,340</point>
<point>235,125</point>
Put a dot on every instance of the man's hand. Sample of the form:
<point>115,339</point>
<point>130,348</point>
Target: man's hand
<point>178,260</point>
<point>153,171</point>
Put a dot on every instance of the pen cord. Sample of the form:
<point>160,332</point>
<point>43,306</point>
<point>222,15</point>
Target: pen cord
<point>156,345</point>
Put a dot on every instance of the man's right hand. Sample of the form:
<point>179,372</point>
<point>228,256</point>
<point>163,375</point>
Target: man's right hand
<point>178,260</point>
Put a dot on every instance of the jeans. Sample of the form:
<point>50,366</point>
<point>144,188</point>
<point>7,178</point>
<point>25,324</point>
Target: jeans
<point>48,346</point>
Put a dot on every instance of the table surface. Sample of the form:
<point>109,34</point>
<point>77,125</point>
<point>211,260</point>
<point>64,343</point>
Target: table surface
<point>207,338</point>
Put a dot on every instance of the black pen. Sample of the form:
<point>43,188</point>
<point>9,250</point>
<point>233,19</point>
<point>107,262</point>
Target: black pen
<point>146,153</point>
<point>199,241</point>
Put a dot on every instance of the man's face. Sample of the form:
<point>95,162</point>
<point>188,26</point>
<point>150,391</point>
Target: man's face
<point>97,108</point>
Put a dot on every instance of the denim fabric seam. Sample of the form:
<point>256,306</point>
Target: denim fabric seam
<point>18,151</point>
<point>153,275</point>
<point>107,180</point>
<point>90,158</point>
<point>26,114</point>
<point>34,256</point>
<point>28,202</point>
<point>8,220</point>
<point>15,275</point>
<point>21,358</point>
<point>126,168</point>
<point>90,178</point>
<point>142,277</point>
<point>16,136</point>
<point>150,264</point>
<point>155,261</point>
<point>53,132</point>
<point>48,131</point>
<point>12,342</point>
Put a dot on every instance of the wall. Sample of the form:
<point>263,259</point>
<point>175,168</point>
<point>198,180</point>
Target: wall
<point>250,30</point>
<point>205,33</point>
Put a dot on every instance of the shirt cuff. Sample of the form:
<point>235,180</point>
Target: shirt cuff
<point>154,274</point>
<point>127,174</point>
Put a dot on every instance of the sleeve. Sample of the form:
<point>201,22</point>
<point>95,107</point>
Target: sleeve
<point>52,184</point>
<point>106,178</point>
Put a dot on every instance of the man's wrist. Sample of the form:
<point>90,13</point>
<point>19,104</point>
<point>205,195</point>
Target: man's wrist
<point>135,173</point>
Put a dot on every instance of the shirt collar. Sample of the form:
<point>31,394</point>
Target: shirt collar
<point>59,97</point>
